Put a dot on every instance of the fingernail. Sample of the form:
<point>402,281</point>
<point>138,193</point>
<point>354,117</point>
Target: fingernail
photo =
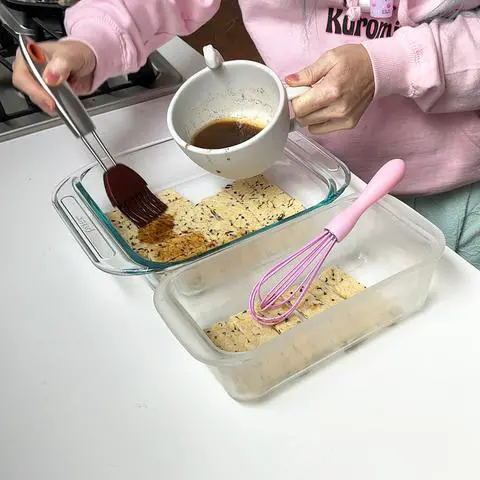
<point>51,77</point>
<point>47,107</point>
<point>293,77</point>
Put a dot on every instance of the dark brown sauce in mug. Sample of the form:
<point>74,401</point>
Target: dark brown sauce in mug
<point>225,133</point>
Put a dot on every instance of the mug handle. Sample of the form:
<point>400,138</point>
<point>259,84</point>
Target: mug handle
<point>213,58</point>
<point>294,92</point>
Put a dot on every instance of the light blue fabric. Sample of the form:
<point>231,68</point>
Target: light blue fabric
<point>457,214</point>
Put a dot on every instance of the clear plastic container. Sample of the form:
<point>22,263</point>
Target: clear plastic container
<point>392,250</point>
<point>306,171</point>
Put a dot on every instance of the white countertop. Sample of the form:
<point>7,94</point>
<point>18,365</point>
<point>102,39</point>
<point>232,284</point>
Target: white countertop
<point>94,386</point>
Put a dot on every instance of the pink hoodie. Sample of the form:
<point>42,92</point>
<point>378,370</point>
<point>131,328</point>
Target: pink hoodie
<point>427,75</point>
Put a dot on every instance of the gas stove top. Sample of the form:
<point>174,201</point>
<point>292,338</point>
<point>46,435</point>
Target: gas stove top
<point>19,116</point>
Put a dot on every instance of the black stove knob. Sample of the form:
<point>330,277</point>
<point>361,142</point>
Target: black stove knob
<point>3,114</point>
<point>145,77</point>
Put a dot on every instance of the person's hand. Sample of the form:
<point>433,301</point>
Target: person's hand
<point>70,60</point>
<point>343,87</point>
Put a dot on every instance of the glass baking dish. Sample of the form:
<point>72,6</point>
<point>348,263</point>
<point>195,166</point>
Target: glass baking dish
<point>306,171</point>
<point>392,251</point>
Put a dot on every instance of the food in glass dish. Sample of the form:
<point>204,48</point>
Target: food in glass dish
<point>241,333</point>
<point>187,229</point>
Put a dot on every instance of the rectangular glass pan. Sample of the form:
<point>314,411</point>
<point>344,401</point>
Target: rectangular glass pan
<point>307,172</point>
<point>392,251</point>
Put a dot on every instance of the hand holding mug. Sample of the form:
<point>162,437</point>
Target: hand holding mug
<point>343,87</point>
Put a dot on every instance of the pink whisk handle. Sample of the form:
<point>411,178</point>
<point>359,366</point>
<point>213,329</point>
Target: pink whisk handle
<point>382,183</point>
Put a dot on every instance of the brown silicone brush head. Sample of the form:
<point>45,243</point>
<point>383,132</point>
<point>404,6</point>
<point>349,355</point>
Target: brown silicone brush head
<point>128,191</point>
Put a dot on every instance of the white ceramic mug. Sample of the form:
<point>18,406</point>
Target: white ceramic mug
<point>236,89</point>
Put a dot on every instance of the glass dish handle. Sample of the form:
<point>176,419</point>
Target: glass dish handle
<point>92,236</point>
<point>314,157</point>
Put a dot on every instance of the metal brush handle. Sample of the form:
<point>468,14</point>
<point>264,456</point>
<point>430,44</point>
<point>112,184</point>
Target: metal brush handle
<point>69,106</point>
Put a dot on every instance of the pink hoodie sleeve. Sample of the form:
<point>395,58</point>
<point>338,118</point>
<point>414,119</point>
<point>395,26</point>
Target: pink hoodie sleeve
<point>122,33</point>
<point>435,64</point>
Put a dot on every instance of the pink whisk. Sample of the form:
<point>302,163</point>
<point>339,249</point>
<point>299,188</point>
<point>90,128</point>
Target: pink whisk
<point>312,256</point>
